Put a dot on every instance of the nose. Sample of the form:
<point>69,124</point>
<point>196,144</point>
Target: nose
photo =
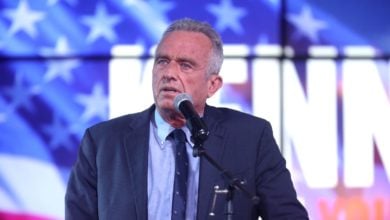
<point>171,70</point>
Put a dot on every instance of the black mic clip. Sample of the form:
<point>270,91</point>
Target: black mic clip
<point>198,136</point>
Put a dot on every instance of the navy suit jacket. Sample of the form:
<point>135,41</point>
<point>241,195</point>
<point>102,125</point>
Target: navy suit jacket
<point>109,179</point>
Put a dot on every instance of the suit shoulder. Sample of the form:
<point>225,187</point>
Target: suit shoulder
<point>239,117</point>
<point>120,123</point>
<point>114,122</point>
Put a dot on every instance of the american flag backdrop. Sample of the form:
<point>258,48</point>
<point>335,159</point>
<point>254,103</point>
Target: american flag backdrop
<point>58,70</point>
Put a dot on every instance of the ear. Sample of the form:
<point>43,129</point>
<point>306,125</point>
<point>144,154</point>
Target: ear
<point>214,83</point>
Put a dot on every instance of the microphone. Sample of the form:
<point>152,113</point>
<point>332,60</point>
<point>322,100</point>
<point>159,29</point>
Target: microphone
<point>199,131</point>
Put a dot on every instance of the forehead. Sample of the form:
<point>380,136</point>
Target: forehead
<point>185,42</point>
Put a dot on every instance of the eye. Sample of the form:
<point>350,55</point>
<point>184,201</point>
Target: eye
<point>162,61</point>
<point>185,66</point>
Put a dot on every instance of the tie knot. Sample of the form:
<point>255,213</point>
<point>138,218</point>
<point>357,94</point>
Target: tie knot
<point>179,135</point>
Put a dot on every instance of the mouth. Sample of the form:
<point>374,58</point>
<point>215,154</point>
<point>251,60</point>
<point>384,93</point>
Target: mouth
<point>168,89</point>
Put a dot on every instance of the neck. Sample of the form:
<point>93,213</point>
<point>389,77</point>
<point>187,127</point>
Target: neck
<point>172,117</point>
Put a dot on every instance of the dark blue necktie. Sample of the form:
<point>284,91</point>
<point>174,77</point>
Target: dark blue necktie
<point>181,173</point>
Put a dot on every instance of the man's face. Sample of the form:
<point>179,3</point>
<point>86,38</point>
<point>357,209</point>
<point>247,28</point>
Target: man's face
<point>181,65</point>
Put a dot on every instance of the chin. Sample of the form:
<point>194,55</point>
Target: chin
<point>165,104</point>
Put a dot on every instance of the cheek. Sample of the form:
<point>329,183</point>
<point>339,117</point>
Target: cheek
<point>155,77</point>
<point>155,82</point>
<point>199,89</point>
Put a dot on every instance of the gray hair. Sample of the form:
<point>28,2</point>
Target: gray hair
<point>187,24</point>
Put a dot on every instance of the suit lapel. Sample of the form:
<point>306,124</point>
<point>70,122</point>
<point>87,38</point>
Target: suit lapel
<point>209,175</point>
<point>136,145</point>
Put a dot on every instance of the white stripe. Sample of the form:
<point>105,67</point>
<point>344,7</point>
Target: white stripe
<point>37,185</point>
<point>359,51</point>
<point>323,51</point>
<point>268,50</point>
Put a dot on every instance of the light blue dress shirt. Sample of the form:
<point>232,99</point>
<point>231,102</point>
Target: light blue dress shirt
<point>161,169</point>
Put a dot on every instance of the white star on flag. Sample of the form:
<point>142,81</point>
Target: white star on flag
<point>227,15</point>
<point>96,104</point>
<point>307,24</point>
<point>161,7</point>
<point>61,48</point>
<point>59,134</point>
<point>101,24</point>
<point>20,94</point>
<point>131,2</point>
<point>61,68</point>
<point>23,19</point>
<point>54,2</point>
<point>3,117</point>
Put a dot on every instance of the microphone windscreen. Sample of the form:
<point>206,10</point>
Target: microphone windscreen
<point>180,98</point>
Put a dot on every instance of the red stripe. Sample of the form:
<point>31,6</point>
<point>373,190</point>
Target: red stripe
<point>21,216</point>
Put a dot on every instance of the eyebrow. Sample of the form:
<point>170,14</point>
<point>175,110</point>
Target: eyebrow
<point>178,59</point>
<point>159,55</point>
<point>191,61</point>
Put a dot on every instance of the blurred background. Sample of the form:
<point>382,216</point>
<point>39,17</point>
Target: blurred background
<point>318,70</point>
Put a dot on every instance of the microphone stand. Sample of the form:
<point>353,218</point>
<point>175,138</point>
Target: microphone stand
<point>198,139</point>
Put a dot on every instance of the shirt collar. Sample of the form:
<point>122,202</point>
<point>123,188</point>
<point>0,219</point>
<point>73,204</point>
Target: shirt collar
<point>163,129</point>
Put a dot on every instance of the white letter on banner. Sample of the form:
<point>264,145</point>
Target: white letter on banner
<point>366,119</point>
<point>310,123</point>
<point>266,93</point>
<point>130,81</point>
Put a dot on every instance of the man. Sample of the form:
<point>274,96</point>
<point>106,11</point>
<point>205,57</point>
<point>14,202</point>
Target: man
<point>126,166</point>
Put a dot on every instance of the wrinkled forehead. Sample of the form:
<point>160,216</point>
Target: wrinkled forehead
<point>186,43</point>
<point>195,39</point>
